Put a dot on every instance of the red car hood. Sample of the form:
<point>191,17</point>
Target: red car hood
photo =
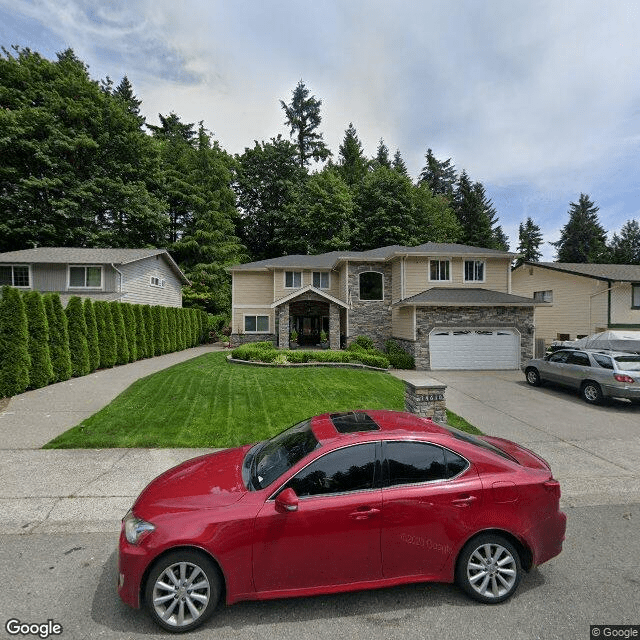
<point>207,482</point>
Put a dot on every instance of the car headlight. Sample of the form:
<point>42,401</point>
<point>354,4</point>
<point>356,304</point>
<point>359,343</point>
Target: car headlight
<point>135,527</point>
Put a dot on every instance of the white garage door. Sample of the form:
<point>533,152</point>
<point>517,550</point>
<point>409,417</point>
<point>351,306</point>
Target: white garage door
<point>474,349</point>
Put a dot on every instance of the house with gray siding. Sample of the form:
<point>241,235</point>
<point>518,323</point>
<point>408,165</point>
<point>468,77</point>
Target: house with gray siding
<point>451,306</point>
<point>138,276</point>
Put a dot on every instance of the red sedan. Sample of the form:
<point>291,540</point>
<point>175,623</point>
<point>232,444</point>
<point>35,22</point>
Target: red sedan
<point>339,502</point>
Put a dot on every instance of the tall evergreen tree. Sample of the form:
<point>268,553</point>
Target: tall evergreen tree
<point>106,334</point>
<point>582,238</point>
<point>382,156</point>
<point>58,338</point>
<point>303,119</point>
<point>92,334</point>
<point>440,175</point>
<point>530,239</point>
<point>130,330</point>
<point>141,332</point>
<point>78,347</point>
<point>471,212</point>
<point>434,219</point>
<point>15,361</point>
<point>352,164</point>
<point>41,370</point>
<point>124,92</point>
<point>150,331</point>
<point>122,346</point>
<point>625,248</point>
<point>398,164</point>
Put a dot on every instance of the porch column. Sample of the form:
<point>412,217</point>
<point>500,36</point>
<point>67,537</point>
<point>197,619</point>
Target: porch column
<point>283,337</point>
<point>334,326</point>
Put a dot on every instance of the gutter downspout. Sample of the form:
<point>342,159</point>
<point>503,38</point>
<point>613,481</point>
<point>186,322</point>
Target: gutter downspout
<point>113,266</point>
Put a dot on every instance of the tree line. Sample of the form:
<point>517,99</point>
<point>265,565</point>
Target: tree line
<point>42,343</point>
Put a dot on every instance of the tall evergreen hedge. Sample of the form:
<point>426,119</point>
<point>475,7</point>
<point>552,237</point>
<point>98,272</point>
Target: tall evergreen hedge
<point>41,370</point>
<point>106,334</point>
<point>58,338</point>
<point>130,330</point>
<point>92,334</point>
<point>122,347</point>
<point>171,322</point>
<point>158,335</point>
<point>180,344</point>
<point>141,332</point>
<point>78,347</point>
<point>15,361</point>
<point>164,325</point>
<point>150,330</point>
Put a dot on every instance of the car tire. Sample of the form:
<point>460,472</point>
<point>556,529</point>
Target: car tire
<point>489,568</point>
<point>533,377</point>
<point>182,590</point>
<point>591,392</point>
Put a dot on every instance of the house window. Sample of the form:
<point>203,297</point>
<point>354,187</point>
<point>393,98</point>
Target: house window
<point>256,324</point>
<point>371,287</point>
<point>473,271</point>
<point>321,279</point>
<point>157,282</point>
<point>292,279</point>
<point>635,296</point>
<point>439,270</point>
<point>87,277</point>
<point>543,296</point>
<point>14,275</point>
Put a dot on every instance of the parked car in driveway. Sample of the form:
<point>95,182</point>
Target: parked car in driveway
<point>339,502</point>
<point>596,374</point>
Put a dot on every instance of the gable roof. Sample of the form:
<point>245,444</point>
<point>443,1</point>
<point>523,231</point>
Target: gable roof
<point>450,296</point>
<point>75,255</point>
<point>299,292</point>
<point>618,272</point>
<point>382,254</point>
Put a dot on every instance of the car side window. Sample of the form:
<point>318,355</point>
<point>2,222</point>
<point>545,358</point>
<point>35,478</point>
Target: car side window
<point>603,361</point>
<point>341,471</point>
<point>560,356</point>
<point>576,357</point>
<point>414,462</point>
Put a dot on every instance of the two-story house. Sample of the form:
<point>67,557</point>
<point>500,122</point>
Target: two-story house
<point>139,276</point>
<point>448,305</point>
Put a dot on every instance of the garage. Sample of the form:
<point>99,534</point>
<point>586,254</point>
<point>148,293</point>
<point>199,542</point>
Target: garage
<point>474,349</point>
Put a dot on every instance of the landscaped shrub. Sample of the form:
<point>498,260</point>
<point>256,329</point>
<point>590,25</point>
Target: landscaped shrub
<point>374,360</point>
<point>92,334</point>
<point>78,347</point>
<point>171,323</point>
<point>58,338</point>
<point>188,328</point>
<point>14,344</point>
<point>398,357</point>
<point>150,330</point>
<point>164,324</point>
<point>122,346</point>
<point>130,330</point>
<point>214,326</point>
<point>106,334</point>
<point>158,335</point>
<point>364,342</point>
<point>41,370</point>
<point>141,332</point>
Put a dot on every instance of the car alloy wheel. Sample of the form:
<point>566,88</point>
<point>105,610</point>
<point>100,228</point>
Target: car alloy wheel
<point>533,377</point>
<point>182,590</point>
<point>489,569</point>
<point>592,392</point>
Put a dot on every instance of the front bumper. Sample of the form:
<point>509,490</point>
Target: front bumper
<point>132,563</point>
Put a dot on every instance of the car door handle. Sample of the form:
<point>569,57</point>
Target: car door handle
<point>364,513</point>
<point>464,502</point>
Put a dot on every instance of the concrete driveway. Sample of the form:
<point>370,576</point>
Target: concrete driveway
<point>593,450</point>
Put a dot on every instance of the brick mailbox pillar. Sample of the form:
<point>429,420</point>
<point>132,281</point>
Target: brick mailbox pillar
<point>426,399</point>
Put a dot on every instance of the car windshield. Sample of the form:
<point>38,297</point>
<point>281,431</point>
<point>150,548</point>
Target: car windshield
<point>628,363</point>
<point>465,437</point>
<point>268,460</point>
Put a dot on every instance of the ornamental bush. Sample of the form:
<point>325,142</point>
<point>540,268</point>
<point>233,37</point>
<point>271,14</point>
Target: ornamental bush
<point>171,323</point>
<point>164,325</point>
<point>150,330</point>
<point>129,320</point>
<point>58,338</point>
<point>398,357</point>
<point>14,344</point>
<point>41,370</point>
<point>78,347</point>
<point>141,332</point>
<point>92,334</point>
<point>122,346</point>
<point>158,335</point>
<point>106,334</point>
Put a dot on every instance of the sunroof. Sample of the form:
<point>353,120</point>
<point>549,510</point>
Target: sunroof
<point>353,421</point>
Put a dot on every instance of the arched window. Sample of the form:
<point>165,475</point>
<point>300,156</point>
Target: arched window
<point>371,287</point>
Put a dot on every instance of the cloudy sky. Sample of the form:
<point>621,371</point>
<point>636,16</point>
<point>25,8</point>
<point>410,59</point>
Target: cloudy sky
<point>537,99</point>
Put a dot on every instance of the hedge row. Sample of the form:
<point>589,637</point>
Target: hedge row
<point>266,352</point>
<point>42,343</point>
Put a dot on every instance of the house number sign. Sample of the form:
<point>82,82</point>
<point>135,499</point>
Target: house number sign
<point>432,397</point>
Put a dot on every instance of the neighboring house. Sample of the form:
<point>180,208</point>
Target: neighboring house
<point>581,298</point>
<point>448,305</point>
<point>139,276</point>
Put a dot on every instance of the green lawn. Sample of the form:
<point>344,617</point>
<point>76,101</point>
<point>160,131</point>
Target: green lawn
<point>207,402</point>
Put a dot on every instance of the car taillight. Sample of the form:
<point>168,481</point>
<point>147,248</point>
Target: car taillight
<point>553,487</point>
<point>622,378</point>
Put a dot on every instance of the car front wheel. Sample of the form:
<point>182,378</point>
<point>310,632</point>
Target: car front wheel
<point>533,377</point>
<point>592,392</point>
<point>489,569</point>
<point>182,590</point>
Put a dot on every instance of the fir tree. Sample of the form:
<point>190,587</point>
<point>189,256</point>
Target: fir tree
<point>582,239</point>
<point>382,156</point>
<point>530,239</point>
<point>352,165</point>
<point>78,347</point>
<point>625,248</point>
<point>440,175</point>
<point>399,165</point>
<point>15,361</point>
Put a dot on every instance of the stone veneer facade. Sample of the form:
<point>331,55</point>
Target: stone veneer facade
<point>371,318</point>
<point>429,318</point>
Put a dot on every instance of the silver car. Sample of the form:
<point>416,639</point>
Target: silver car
<point>596,374</point>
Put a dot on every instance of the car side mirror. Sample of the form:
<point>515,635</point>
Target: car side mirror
<point>287,500</point>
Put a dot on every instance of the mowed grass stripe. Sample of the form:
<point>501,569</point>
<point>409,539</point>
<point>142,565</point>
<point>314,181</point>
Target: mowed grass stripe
<point>207,402</point>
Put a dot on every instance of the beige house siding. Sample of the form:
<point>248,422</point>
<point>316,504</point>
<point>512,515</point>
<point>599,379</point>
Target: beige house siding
<point>239,314</point>
<point>137,287</point>
<point>396,280</point>
<point>253,287</point>
<point>579,304</point>
<point>417,275</point>
<point>280,291</point>
<point>621,302</point>
<point>402,323</point>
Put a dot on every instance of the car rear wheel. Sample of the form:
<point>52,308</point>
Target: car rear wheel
<point>533,377</point>
<point>489,568</point>
<point>591,392</point>
<point>182,590</point>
